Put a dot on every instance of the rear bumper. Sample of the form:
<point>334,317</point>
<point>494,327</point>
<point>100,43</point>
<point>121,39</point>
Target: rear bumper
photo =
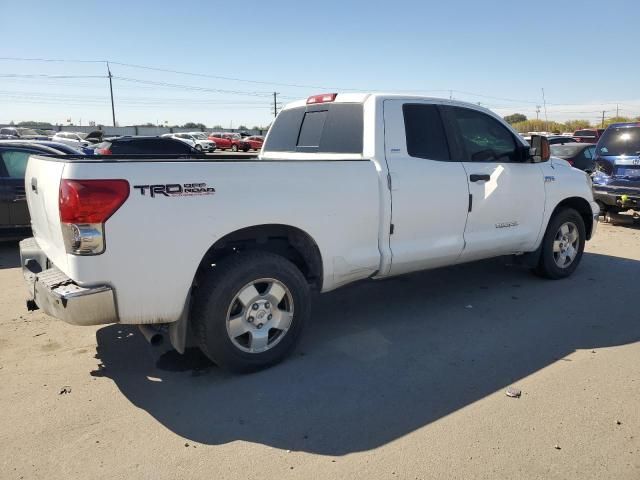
<point>58,296</point>
<point>620,199</point>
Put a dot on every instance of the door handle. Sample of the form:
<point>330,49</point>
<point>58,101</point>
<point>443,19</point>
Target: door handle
<point>477,177</point>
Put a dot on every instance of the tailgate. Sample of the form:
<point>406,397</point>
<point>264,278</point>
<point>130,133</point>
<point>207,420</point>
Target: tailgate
<point>42,185</point>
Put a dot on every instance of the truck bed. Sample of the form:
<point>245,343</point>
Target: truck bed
<point>155,243</point>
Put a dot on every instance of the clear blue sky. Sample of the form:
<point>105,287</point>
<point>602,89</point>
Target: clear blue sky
<point>507,50</point>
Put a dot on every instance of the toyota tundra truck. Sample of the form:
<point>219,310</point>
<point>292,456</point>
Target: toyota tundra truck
<point>226,253</point>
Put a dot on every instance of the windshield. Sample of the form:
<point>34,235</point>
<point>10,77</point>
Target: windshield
<point>564,150</point>
<point>620,141</point>
<point>200,136</point>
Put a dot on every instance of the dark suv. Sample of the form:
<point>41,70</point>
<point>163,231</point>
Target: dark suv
<point>616,182</point>
<point>145,146</point>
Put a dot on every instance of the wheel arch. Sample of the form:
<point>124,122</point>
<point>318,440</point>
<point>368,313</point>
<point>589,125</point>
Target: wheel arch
<point>580,205</point>
<point>290,242</point>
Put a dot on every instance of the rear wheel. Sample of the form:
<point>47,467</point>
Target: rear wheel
<point>562,245</point>
<point>249,311</point>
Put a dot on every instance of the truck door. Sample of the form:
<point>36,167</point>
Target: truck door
<point>429,191</point>
<point>507,192</point>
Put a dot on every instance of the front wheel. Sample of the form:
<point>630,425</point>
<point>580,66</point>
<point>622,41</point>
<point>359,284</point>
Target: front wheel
<point>198,147</point>
<point>562,245</point>
<point>234,148</point>
<point>249,311</point>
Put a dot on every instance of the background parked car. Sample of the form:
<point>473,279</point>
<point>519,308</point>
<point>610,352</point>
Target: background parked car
<point>184,139</point>
<point>229,141</point>
<point>579,155</point>
<point>70,138</point>
<point>14,214</point>
<point>22,133</point>
<point>616,182</point>
<point>145,146</point>
<point>61,147</point>
<point>95,136</point>
<point>560,139</point>
<point>198,140</point>
<point>255,142</point>
<point>588,135</point>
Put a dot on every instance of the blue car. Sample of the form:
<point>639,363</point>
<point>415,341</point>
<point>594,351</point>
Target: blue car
<point>616,180</point>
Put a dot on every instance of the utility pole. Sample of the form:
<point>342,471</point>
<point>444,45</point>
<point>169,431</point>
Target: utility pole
<point>537,112</point>
<point>602,125</point>
<point>113,110</point>
<point>275,104</point>
<point>617,110</point>
<point>546,119</point>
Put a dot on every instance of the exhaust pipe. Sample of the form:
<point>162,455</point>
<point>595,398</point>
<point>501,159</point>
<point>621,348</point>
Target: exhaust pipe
<point>151,335</point>
<point>616,218</point>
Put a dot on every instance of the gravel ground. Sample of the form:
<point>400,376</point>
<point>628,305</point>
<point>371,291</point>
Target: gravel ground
<point>402,378</point>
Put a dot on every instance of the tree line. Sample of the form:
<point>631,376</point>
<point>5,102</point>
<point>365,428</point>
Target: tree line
<point>523,125</point>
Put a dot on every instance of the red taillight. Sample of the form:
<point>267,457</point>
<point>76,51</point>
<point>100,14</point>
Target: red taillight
<point>324,98</point>
<point>91,201</point>
<point>103,151</point>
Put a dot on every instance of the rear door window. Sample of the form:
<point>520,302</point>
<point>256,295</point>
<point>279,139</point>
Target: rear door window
<point>15,163</point>
<point>425,132</point>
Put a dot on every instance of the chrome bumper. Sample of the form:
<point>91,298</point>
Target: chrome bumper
<point>59,296</point>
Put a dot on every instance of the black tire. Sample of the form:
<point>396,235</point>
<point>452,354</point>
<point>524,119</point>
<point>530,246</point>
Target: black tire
<point>234,148</point>
<point>245,150</point>
<point>198,147</point>
<point>547,266</point>
<point>214,298</point>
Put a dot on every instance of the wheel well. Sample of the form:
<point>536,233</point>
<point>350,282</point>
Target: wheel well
<point>582,207</point>
<point>289,242</point>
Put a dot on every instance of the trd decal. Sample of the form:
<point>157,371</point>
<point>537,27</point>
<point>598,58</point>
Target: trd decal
<point>176,189</point>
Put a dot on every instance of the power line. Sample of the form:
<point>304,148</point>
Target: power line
<point>41,75</point>
<point>21,59</point>
<point>192,87</point>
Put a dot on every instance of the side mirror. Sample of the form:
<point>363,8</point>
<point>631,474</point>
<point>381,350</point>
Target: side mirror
<point>539,151</point>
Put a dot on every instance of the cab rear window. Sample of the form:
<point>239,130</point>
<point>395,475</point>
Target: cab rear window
<point>322,128</point>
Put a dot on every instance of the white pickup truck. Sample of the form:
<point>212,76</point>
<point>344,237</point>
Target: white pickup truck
<point>225,253</point>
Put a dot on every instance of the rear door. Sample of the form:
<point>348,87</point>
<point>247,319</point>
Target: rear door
<point>14,164</point>
<point>6,196</point>
<point>430,196</point>
<point>507,193</point>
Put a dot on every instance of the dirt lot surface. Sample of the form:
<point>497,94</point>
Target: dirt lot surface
<point>403,378</point>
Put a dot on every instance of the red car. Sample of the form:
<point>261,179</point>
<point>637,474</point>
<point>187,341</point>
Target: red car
<point>588,135</point>
<point>229,141</point>
<point>255,142</point>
